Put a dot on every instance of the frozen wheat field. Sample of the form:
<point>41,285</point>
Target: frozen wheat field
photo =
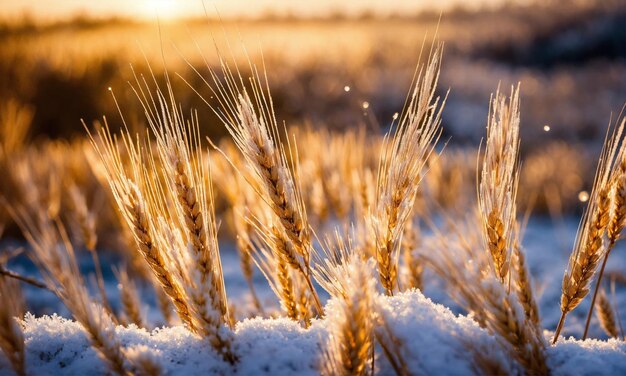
<point>373,190</point>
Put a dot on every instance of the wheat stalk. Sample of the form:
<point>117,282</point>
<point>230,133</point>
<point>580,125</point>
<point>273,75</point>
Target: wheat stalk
<point>462,242</point>
<point>484,362</point>
<point>86,223</point>
<point>392,346</point>
<point>163,301</point>
<point>245,247</point>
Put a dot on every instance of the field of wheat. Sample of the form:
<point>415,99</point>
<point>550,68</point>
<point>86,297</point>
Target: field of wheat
<point>218,220</point>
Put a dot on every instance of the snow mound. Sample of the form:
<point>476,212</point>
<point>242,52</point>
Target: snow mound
<point>434,341</point>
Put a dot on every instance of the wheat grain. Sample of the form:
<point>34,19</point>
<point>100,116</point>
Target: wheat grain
<point>287,294</point>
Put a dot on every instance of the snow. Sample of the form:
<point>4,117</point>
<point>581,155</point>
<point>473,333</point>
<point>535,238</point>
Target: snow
<point>590,357</point>
<point>432,335</point>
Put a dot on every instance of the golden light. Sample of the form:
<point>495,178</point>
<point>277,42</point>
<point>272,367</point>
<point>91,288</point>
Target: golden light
<point>583,196</point>
<point>164,9</point>
<point>546,128</point>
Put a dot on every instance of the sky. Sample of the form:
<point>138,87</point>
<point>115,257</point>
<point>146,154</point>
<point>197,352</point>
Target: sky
<point>147,9</point>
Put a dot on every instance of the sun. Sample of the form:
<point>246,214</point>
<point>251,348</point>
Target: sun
<point>164,9</point>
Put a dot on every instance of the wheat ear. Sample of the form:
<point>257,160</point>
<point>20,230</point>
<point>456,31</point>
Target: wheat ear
<point>250,119</point>
<point>187,182</point>
<point>402,160</point>
<point>287,293</point>
<point>136,212</point>
<point>616,224</point>
<point>588,248</point>
<point>499,179</point>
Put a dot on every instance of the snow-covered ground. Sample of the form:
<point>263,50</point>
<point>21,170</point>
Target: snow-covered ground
<point>431,332</point>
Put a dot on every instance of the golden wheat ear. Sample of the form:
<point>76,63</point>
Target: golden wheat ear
<point>617,219</point>
<point>165,195</point>
<point>248,114</point>
<point>499,180</point>
<point>590,246</point>
<point>122,164</point>
<point>401,166</point>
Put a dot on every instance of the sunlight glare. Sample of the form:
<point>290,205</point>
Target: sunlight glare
<point>164,9</point>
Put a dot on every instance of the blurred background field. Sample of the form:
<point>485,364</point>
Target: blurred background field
<point>570,57</point>
<point>335,71</point>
